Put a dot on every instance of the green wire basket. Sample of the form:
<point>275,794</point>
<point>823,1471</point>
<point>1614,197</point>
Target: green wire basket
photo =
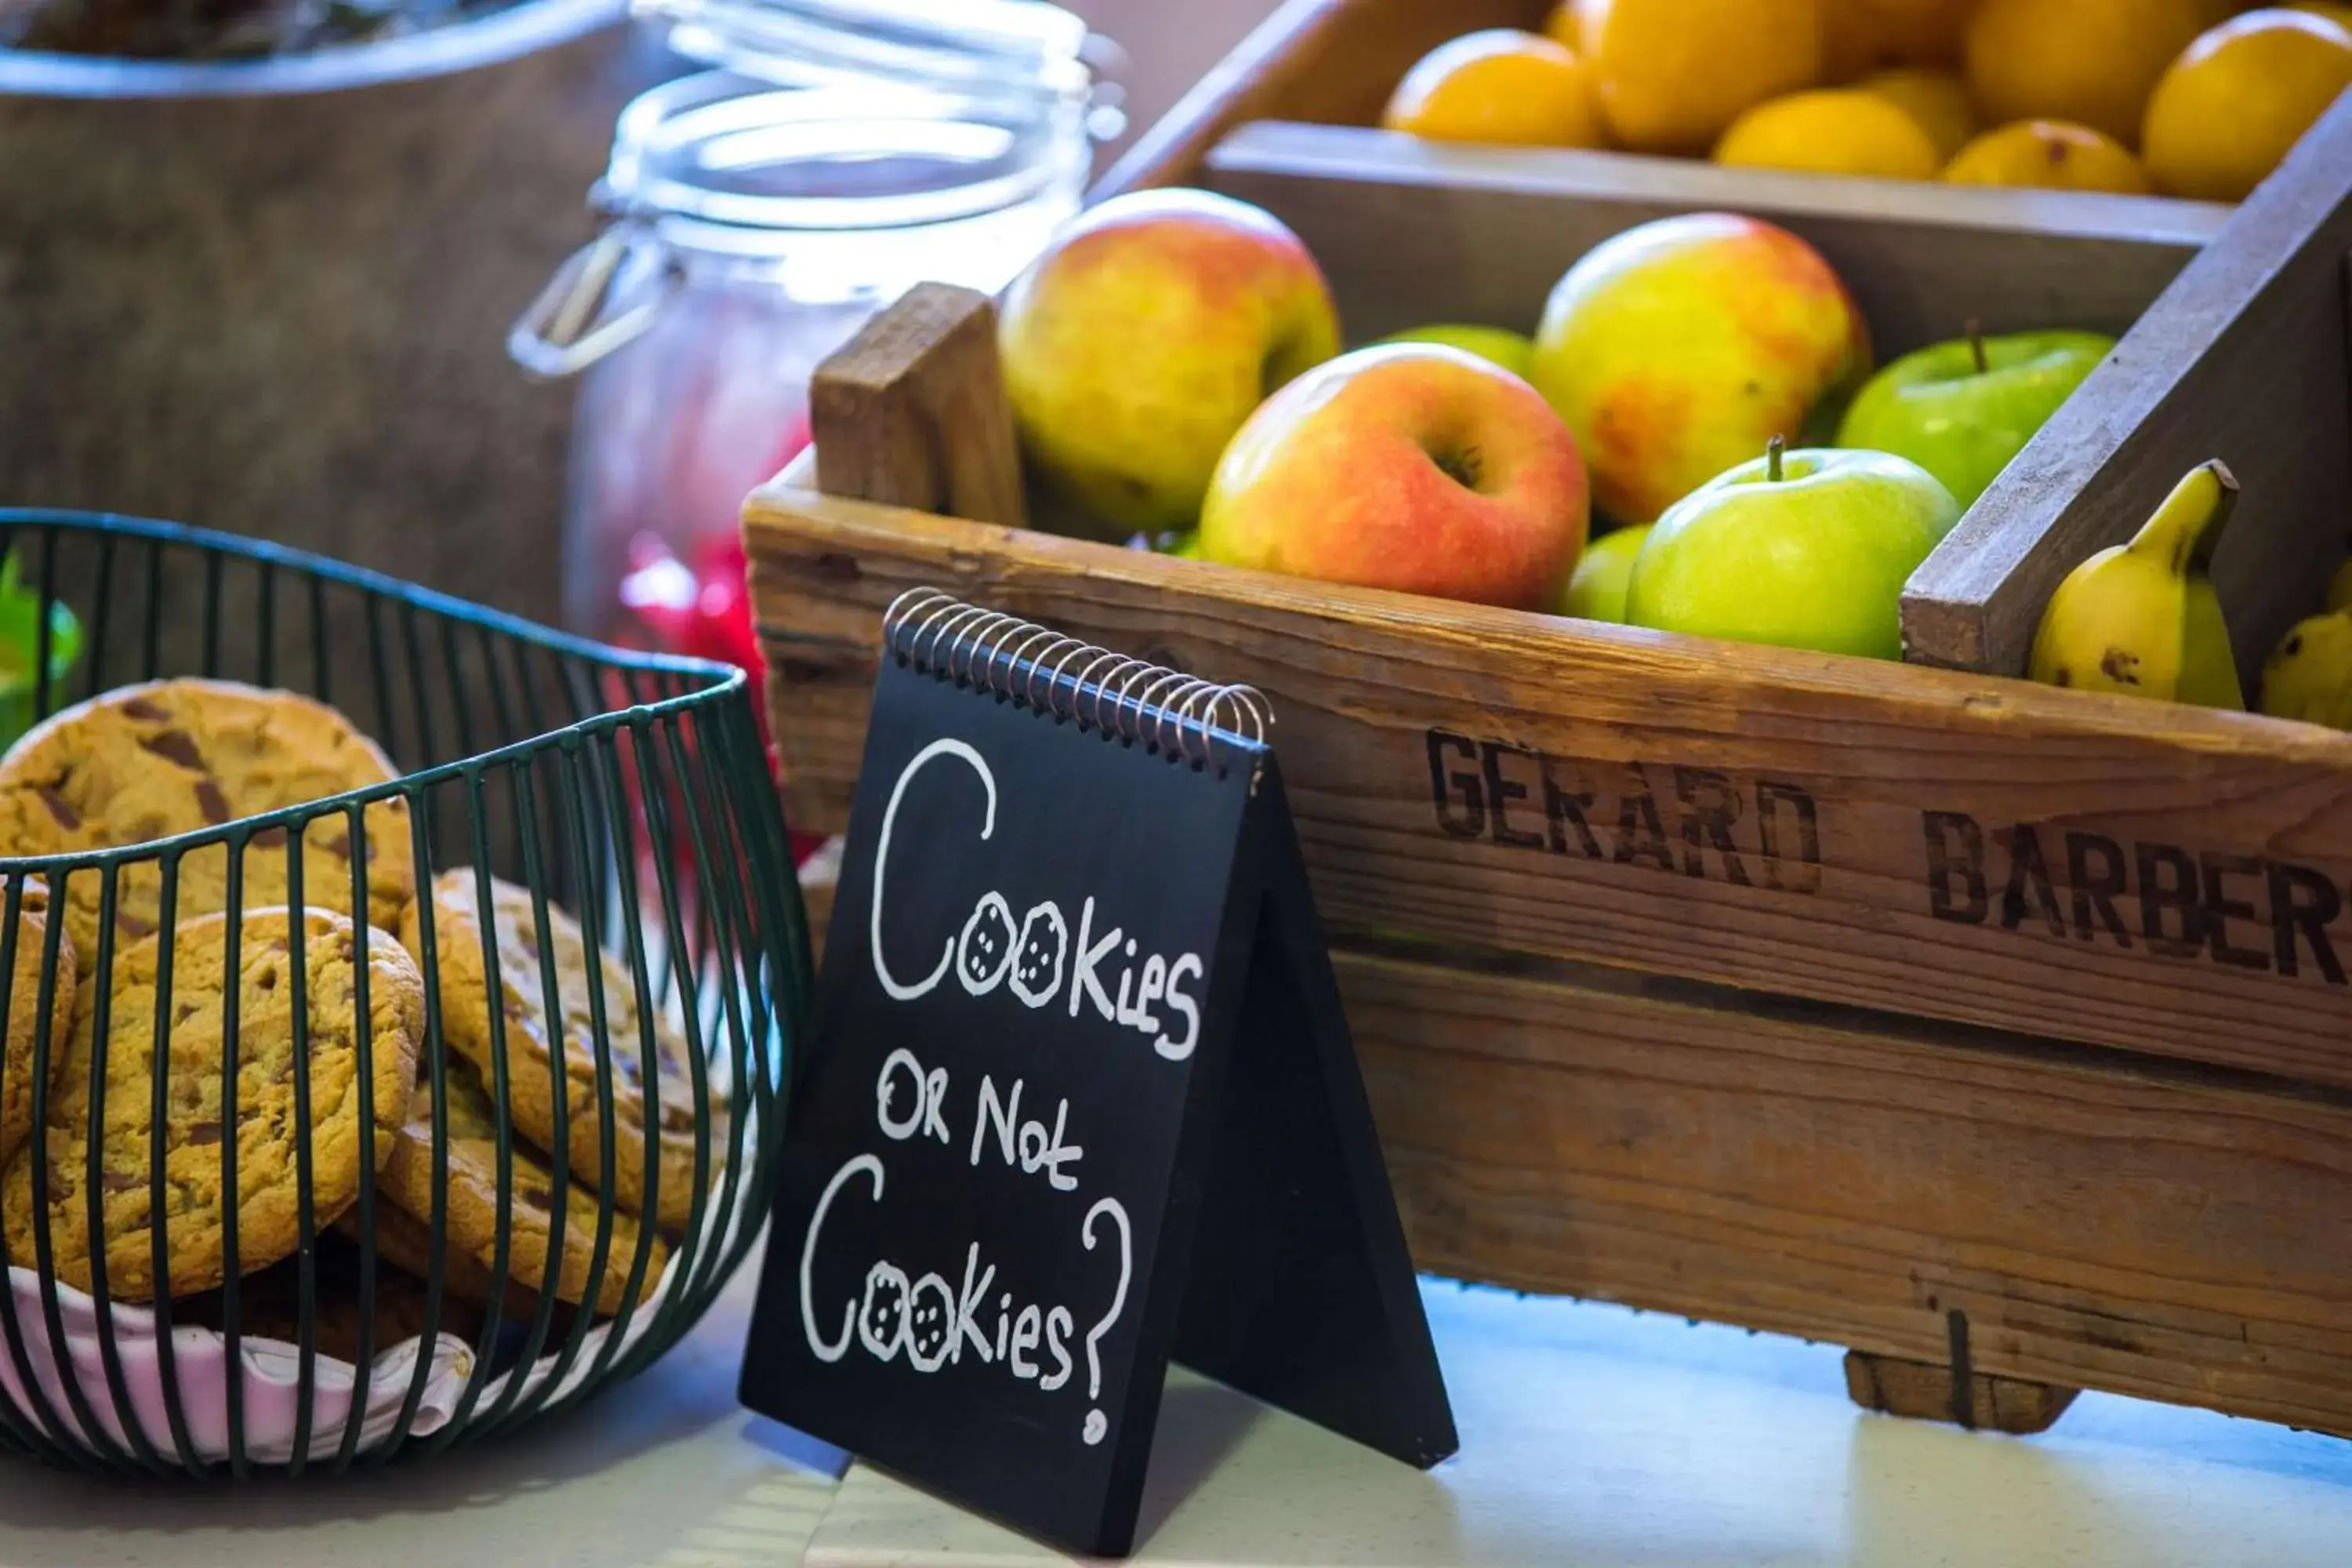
<point>629,792</point>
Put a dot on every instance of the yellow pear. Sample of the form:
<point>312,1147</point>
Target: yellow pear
<point>2142,618</point>
<point>2310,676</point>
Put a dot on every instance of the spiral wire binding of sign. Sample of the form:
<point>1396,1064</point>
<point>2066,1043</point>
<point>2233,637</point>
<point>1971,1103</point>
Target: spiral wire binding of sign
<point>1034,1158</point>
<point>1133,700</point>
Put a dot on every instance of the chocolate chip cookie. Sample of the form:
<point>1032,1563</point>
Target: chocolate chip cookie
<point>198,1117</point>
<point>269,1306</point>
<point>25,1017</point>
<point>143,762</point>
<point>477,1206</point>
<point>404,1242</point>
<point>531,1030</point>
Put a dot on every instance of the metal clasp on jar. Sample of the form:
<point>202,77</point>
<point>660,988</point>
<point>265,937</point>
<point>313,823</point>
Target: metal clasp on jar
<point>587,310</point>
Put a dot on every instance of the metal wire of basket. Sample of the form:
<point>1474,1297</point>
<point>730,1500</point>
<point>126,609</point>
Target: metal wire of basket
<point>629,790</point>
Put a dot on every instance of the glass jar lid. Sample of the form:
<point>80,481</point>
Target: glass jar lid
<point>716,150</point>
<point>1022,45</point>
<point>826,124</point>
<point>716,170</point>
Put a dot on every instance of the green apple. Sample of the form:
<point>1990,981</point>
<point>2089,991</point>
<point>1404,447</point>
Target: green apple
<point>1962,410</point>
<point>20,638</point>
<point>1804,549</point>
<point>1496,345</point>
<point>1597,590</point>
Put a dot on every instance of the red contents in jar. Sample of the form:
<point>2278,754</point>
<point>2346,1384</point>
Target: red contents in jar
<point>701,608</point>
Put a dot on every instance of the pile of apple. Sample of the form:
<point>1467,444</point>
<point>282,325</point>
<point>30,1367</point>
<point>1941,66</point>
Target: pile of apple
<point>1173,365</point>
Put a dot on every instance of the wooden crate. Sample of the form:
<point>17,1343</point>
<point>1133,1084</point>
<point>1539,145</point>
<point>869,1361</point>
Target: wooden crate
<point>2000,1033</point>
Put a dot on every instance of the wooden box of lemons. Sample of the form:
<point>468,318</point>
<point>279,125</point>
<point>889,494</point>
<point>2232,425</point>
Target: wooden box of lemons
<point>2200,98</point>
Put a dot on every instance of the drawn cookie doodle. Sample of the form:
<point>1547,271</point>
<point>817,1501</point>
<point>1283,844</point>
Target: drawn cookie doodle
<point>25,1016</point>
<point>199,1118</point>
<point>144,762</point>
<point>882,1315</point>
<point>479,1208</point>
<point>930,1323</point>
<point>1037,968</point>
<point>530,1028</point>
<point>985,950</point>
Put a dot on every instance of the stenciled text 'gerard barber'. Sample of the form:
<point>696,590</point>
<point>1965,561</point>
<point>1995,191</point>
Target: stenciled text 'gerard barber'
<point>2241,911</point>
<point>1682,821</point>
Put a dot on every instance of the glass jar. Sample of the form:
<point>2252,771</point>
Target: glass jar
<point>842,151</point>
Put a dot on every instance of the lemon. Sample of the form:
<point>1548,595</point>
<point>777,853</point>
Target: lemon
<point>2051,155</point>
<point>2244,94</point>
<point>2092,62</point>
<point>1937,98</point>
<point>2335,11</point>
<point>1862,36</point>
<point>1830,130</point>
<point>1498,86</point>
<point>1561,28</point>
<point>1674,74</point>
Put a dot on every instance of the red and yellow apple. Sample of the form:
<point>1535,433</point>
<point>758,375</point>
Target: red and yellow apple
<point>1141,339</point>
<point>1675,350</point>
<point>1414,467</point>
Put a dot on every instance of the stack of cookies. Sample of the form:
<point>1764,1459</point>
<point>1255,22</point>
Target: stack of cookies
<point>326,965</point>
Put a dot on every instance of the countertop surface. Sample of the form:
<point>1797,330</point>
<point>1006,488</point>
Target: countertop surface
<point>1593,1438</point>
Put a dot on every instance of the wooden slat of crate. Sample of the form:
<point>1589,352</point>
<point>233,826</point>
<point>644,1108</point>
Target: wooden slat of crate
<point>1410,229</point>
<point>1860,1178</point>
<point>1401,720</point>
<point>1857,1179</point>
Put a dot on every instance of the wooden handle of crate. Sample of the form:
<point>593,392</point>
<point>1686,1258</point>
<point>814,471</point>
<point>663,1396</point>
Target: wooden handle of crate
<point>912,412</point>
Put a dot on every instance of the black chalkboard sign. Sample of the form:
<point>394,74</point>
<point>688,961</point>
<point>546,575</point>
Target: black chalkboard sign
<point>1079,1098</point>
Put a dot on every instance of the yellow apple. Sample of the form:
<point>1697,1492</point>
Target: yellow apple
<point>1675,350</point>
<point>1144,336</point>
<point>1414,467</point>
